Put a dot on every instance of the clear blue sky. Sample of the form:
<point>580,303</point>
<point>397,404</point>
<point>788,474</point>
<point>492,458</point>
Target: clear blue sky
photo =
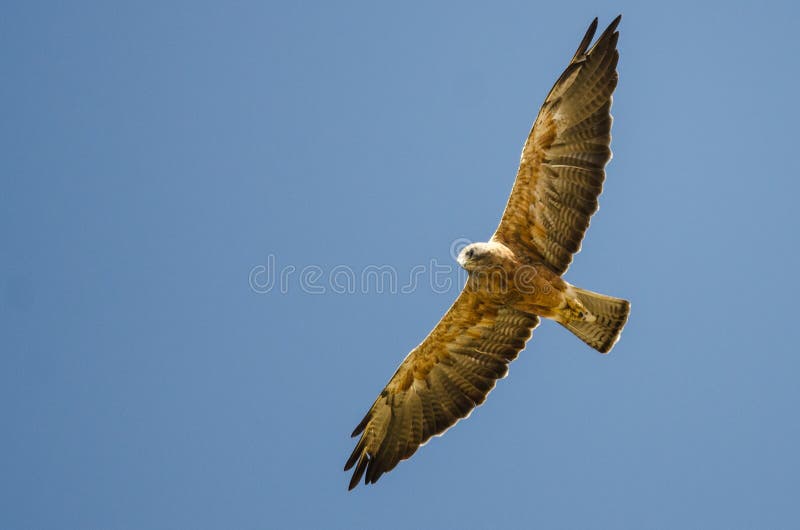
<point>156,154</point>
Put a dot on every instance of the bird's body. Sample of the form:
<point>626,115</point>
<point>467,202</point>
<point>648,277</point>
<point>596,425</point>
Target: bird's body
<point>516,280</point>
<point>515,277</point>
<point>498,275</point>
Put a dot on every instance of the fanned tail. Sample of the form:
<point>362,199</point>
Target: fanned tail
<point>610,315</point>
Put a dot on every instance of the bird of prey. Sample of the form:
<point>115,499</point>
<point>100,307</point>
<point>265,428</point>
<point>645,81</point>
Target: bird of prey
<point>514,278</point>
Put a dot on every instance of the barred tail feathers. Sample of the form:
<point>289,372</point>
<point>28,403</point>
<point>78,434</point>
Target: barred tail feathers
<point>610,315</point>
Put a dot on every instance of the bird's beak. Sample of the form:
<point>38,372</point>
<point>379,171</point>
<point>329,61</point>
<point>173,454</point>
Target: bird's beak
<point>462,260</point>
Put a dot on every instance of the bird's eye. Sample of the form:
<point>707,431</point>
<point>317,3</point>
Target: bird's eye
<point>470,252</point>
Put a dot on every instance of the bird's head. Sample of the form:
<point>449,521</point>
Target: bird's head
<point>475,255</point>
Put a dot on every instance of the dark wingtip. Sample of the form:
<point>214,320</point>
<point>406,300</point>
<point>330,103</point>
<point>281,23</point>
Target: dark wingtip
<point>609,36</point>
<point>611,28</point>
<point>587,39</point>
<point>354,456</point>
<point>359,472</point>
<point>361,426</point>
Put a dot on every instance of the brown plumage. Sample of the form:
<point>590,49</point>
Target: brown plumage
<point>561,171</point>
<point>516,277</point>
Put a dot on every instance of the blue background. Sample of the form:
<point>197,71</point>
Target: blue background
<point>157,154</point>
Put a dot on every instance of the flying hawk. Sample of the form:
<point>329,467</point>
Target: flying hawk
<point>515,278</point>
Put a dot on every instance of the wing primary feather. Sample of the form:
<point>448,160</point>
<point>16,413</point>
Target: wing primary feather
<point>359,472</point>
<point>386,454</point>
<point>361,426</point>
<point>358,451</point>
<point>587,39</point>
<point>608,31</point>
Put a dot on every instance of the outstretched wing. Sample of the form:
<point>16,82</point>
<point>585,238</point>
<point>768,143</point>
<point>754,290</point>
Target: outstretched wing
<point>561,172</point>
<point>439,382</point>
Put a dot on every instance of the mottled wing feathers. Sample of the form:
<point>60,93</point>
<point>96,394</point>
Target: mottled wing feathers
<point>561,171</point>
<point>560,177</point>
<point>440,382</point>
